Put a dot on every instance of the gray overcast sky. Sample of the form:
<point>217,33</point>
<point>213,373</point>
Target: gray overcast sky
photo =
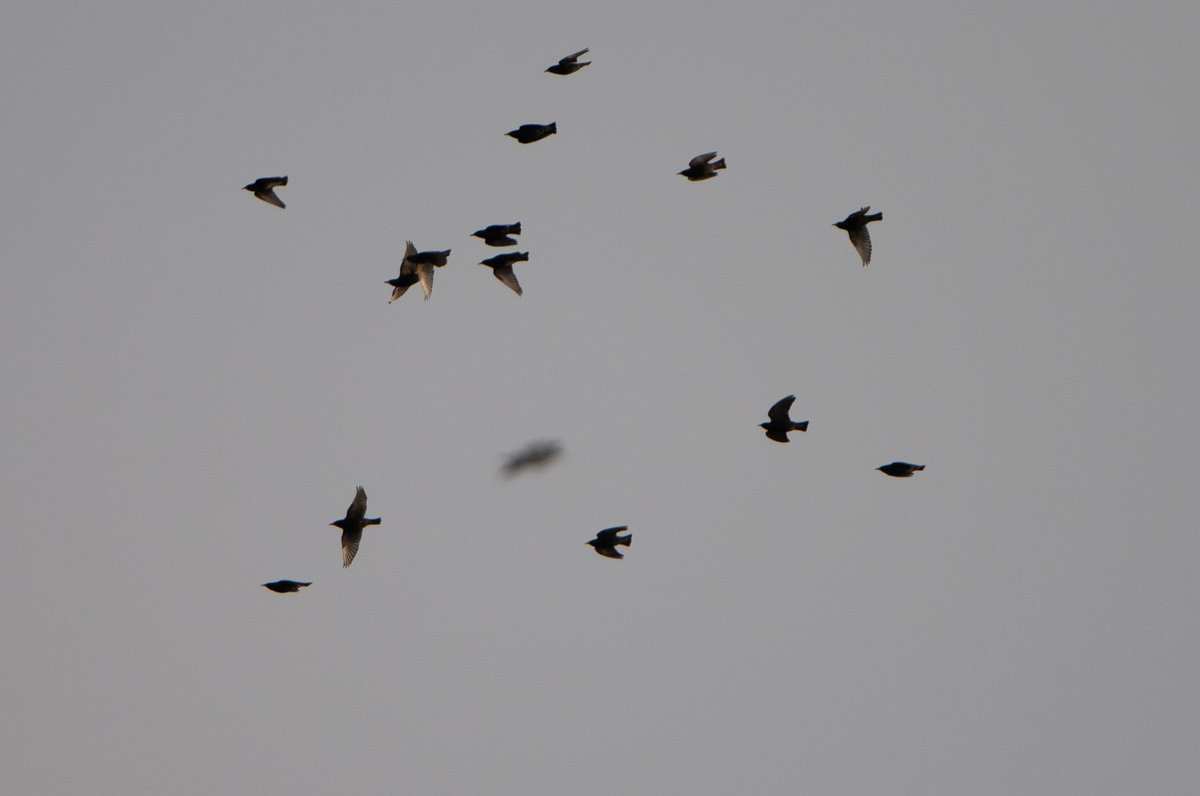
<point>195,381</point>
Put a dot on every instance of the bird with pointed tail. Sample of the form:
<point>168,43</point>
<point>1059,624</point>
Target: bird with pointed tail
<point>702,167</point>
<point>569,64</point>
<point>502,268</point>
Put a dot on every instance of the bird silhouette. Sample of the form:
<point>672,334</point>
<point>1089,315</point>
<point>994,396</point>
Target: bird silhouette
<point>900,469</point>
<point>606,541</point>
<point>352,525</point>
<point>536,454</point>
<point>264,188</point>
<point>410,273</point>
<point>569,64</point>
<point>285,586</point>
<point>528,133</point>
<point>700,167</point>
<point>855,225</point>
<point>780,424</point>
<point>498,234</point>
<point>502,268</point>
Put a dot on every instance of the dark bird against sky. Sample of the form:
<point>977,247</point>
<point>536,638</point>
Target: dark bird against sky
<point>502,268</point>
<point>856,225</point>
<point>900,469</point>
<point>700,167</point>
<point>410,274</point>
<point>528,133</point>
<point>780,423</point>
<point>606,541</point>
<point>264,188</point>
<point>536,454</point>
<point>569,64</point>
<point>498,234</point>
<point>285,586</point>
<point>352,525</point>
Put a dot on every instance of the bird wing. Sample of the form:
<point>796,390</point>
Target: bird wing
<point>779,412</point>
<point>268,196</point>
<point>350,540</point>
<point>862,243</point>
<point>425,275</point>
<point>777,435</point>
<point>358,509</point>
<point>573,57</point>
<point>700,161</point>
<point>609,552</point>
<point>505,274</point>
<point>407,266</point>
<point>609,535</point>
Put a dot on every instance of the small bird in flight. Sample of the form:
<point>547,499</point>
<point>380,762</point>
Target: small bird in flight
<point>285,586</point>
<point>701,169</point>
<point>264,188</point>
<point>569,64</point>
<point>536,454</point>
<point>502,268</point>
<point>900,469</point>
<point>410,274</point>
<point>606,541</point>
<point>352,526</point>
<point>780,424</point>
<point>498,234</point>
<point>855,225</point>
<point>528,133</point>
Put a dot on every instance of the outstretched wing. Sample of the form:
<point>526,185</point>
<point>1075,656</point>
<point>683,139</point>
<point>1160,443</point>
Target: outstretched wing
<point>358,509</point>
<point>862,243</point>
<point>505,274</point>
<point>700,161</point>
<point>350,540</point>
<point>779,412</point>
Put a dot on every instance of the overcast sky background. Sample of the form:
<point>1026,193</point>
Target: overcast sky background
<point>195,381</point>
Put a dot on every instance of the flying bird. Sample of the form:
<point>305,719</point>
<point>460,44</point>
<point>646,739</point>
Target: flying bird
<point>353,524</point>
<point>780,424</point>
<point>569,64</point>
<point>528,133</point>
<point>536,454</point>
<point>502,268</point>
<point>900,469</point>
<point>606,541</point>
<point>285,586</point>
<point>701,169</point>
<point>410,274</point>
<point>264,188</point>
<point>498,234</point>
<point>856,225</point>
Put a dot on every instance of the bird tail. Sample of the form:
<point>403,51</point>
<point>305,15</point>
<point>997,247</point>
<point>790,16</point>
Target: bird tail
<point>514,229</point>
<point>720,164</point>
<point>876,217</point>
<point>553,127</point>
<point>918,467</point>
<point>376,521</point>
<point>801,426</point>
<point>624,540</point>
<point>284,180</point>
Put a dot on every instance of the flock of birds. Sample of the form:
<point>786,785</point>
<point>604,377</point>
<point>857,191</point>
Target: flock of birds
<point>418,267</point>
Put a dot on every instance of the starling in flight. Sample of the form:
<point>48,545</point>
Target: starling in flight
<point>856,225</point>
<point>606,541</point>
<point>352,526</point>
<point>264,188</point>
<point>900,469</point>
<point>498,234</point>
<point>780,424</point>
<point>410,274</point>
<point>701,169</point>
<point>566,66</point>
<point>528,133</point>
<point>536,454</point>
<point>285,586</point>
<point>502,268</point>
